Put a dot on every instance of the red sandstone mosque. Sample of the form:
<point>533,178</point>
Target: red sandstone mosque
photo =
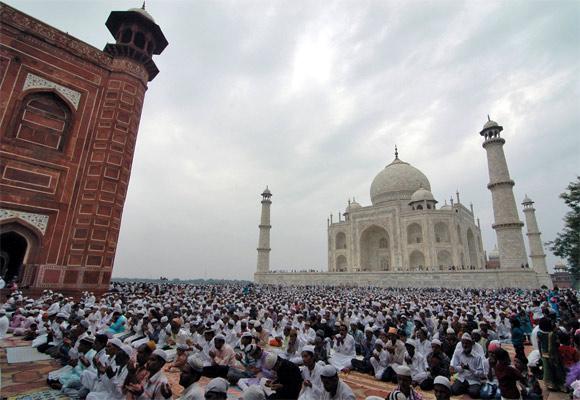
<point>69,116</point>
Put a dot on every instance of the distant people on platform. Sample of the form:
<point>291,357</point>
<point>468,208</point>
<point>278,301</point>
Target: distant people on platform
<point>276,342</point>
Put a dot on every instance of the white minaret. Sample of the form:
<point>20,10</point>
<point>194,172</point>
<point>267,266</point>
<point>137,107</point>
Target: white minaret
<point>507,225</point>
<point>264,239</point>
<point>534,239</point>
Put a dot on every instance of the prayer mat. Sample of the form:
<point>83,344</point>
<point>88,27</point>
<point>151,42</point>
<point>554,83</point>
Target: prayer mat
<point>42,394</point>
<point>13,341</point>
<point>24,354</point>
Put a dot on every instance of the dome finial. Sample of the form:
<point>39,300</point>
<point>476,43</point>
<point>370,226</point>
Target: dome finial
<point>396,153</point>
<point>489,119</point>
<point>143,6</point>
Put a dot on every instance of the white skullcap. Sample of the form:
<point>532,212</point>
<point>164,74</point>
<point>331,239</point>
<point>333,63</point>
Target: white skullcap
<point>219,336</point>
<point>380,342</point>
<point>436,341</point>
<point>441,380</point>
<point>127,349</point>
<point>164,319</point>
<point>373,398</point>
<point>466,336</point>
<point>397,395</point>
<point>116,341</point>
<point>270,361</point>
<point>162,354</point>
<point>182,346</point>
<point>195,363</point>
<point>450,330</point>
<point>247,334</point>
<point>257,324</point>
<point>403,370</point>
<point>308,348</point>
<point>254,392</point>
<point>250,348</point>
<point>328,371</point>
<point>411,342</point>
<point>217,385</point>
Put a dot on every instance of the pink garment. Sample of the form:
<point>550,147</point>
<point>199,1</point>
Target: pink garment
<point>17,321</point>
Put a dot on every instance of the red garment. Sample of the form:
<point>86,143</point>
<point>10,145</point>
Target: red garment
<point>569,355</point>
<point>507,377</point>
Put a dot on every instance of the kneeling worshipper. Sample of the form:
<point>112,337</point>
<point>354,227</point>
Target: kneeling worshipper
<point>111,385</point>
<point>190,375</point>
<point>155,385</point>
<point>344,350</point>
<point>334,387</point>
<point>70,382</point>
<point>288,381</point>
<point>217,389</point>
<point>405,380</point>
<point>468,365</point>
<point>90,376</point>
<point>441,388</point>
<point>312,385</point>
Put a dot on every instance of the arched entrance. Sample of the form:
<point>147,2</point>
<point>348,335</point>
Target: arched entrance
<point>14,247</point>
<point>375,249</point>
<point>19,245</point>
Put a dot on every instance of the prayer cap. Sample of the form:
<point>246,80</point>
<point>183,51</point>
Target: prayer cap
<point>397,395</point>
<point>182,346</point>
<point>217,385</point>
<point>254,392</point>
<point>411,342</point>
<point>195,363</point>
<point>436,342</point>
<point>441,380</point>
<point>270,361</point>
<point>161,354</point>
<point>127,349</point>
<point>247,335</point>
<point>466,336</point>
<point>116,341</point>
<point>328,371</point>
<point>219,337</point>
<point>450,330</point>
<point>403,370</point>
<point>380,342</point>
<point>308,348</point>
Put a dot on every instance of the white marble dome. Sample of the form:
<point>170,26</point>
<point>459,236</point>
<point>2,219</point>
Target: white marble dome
<point>422,194</point>
<point>490,124</point>
<point>397,181</point>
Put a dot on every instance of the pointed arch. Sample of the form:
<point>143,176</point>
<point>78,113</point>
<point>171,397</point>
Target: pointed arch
<point>375,249</point>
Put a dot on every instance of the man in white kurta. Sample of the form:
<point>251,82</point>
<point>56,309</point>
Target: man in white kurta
<point>312,387</point>
<point>344,350</point>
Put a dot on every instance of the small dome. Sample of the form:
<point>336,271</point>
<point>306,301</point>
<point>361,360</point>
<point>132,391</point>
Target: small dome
<point>422,194</point>
<point>266,191</point>
<point>527,200</point>
<point>397,181</point>
<point>490,124</point>
<point>143,12</point>
<point>353,205</point>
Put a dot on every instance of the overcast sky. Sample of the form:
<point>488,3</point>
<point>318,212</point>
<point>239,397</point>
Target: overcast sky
<point>310,98</point>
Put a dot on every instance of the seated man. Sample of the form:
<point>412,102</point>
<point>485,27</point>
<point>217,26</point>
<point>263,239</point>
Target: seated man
<point>344,350</point>
<point>190,374</point>
<point>469,368</point>
<point>155,385</point>
<point>292,351</point>
<point>113,379</point>
<point>288,381</point>
<point>380,359</point>
<point>416,362</point>
<point>334,387</point>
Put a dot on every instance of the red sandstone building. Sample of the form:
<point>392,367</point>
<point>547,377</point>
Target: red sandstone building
<point>69,116</point>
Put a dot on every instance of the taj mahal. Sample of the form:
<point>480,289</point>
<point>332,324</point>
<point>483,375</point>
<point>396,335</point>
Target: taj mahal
<point>405,238</point>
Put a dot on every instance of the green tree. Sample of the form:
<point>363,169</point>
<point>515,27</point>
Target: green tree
<point>567,243</point>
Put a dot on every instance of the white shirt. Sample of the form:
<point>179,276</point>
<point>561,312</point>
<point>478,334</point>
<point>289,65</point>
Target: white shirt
<point>343,392</point>
<point>193,392</point>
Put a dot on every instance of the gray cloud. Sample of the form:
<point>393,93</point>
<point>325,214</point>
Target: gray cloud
<point>310,97</point>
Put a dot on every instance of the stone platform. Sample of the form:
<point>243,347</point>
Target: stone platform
<point>489,279</point>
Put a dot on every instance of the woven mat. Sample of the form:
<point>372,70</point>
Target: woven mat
<point>42,394</point>
<point>24,354</point>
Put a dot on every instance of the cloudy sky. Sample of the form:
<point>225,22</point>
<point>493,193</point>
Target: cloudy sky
<point>310,98</point>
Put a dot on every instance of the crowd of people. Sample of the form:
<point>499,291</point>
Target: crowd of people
<point>279,342</point>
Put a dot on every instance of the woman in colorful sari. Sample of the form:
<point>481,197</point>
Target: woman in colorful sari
<point>554,373</point>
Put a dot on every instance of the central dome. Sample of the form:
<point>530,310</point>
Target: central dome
<point>397,181</point>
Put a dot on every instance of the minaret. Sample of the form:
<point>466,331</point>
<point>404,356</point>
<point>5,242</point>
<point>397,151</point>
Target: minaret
<point>507,225</point>
<point>264,239</point>
<point>536,248</point>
